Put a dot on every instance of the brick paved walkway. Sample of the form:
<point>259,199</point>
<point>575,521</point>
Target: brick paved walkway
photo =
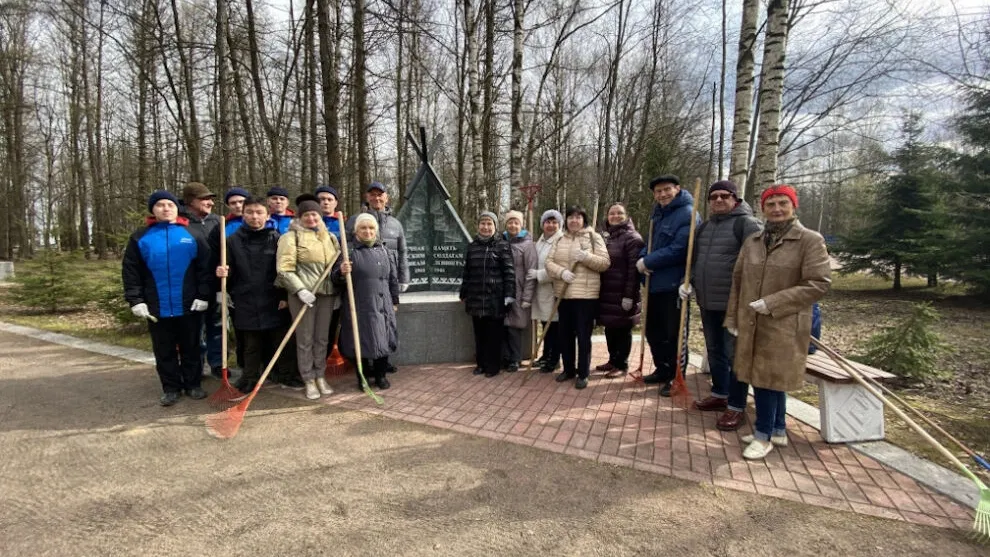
<point>624,423</point>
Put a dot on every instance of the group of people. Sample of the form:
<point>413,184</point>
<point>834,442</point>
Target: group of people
<point>277,262</point>
<point>755,285</point>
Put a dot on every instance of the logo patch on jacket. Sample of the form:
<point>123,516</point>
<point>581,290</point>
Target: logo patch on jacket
<point>187,241</point>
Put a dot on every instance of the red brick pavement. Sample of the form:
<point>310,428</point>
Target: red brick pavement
<point>625,423</point>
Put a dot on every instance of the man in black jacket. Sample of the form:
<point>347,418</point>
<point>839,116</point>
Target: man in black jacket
<point>716,247</point>
<point>197,208</point>
<point>259,319</point>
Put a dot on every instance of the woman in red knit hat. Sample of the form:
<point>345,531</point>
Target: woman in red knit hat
<point>778,276</point>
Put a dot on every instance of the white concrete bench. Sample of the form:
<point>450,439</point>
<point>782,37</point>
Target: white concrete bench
<point>849,413</point>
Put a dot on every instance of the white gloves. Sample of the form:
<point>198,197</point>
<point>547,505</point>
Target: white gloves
<point>580,255</point>
<point>219,298</point>
<point>641,266</point>
<point>627,304</point>
<point>403,287</point>
<point>525,305</point>
<point>685,291</point>
<point>306,297</point>
<point>733,332</point>
<point>759,306</point>
<point>199,305</point>
<point>509,300</point>
<point>140,311</point>
<point>567,276</point>
<point>531,274</point>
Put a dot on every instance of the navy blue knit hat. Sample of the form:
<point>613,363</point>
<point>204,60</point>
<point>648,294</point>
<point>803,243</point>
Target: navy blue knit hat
<point>158,196</point>
<point>236,191</point>
<point>277,191</point>
<point>327,189</point>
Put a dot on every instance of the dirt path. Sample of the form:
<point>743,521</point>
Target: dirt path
<point>91,465</point>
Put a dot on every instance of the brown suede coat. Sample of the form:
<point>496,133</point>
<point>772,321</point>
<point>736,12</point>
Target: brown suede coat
<point>772,350</point>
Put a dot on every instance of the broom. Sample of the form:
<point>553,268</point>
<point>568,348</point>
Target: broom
<point>354,322</point>
<point>981,522</point>
<point>336,363</point>
<point>637,375</point>
<point>224,396</point>
<point>679,389</point>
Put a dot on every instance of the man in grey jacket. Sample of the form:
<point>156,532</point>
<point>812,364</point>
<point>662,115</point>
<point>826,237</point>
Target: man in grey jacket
<point>197,207</point>
<point>390,232</point>
<point>716,248</point>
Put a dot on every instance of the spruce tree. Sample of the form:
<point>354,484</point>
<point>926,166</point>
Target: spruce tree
<point>968,248</point>
<point>898,223</point>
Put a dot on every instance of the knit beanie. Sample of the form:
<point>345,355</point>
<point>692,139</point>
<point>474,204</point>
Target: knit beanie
<point>724,185</point>
<point>158,196</point>
<point>551,214</point>
<point>236,191</point>
<point>277,191</point>
<point>366,217</point>
<point>327,189</point>
<point>491,215</point>
<point>307,206</point>
<point>513,215</point>
<point>779,189</point>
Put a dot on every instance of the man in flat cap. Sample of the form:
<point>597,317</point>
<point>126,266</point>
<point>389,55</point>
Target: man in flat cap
<point>664,266</point>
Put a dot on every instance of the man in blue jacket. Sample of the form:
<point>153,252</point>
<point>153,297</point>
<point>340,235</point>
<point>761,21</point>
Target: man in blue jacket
<point>278,208</point>
<point>664,267</point>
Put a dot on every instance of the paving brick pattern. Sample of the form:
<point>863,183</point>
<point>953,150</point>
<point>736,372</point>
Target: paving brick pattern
<point>625,423</point>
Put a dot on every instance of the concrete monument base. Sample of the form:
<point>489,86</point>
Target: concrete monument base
<point>434,328</point>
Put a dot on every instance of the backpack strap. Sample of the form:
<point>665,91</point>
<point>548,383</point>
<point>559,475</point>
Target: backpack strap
<point>738,230</point>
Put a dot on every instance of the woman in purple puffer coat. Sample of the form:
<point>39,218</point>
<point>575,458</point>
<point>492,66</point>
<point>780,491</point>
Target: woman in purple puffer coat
<point>619,302</point>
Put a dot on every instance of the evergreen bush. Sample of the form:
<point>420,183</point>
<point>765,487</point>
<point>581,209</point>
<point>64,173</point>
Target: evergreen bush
<point>47,282</point>
<point>909,348</point>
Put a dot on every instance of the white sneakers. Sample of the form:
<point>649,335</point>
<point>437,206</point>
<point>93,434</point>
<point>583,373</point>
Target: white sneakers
<point>315,388</point>
<point>757,450</point>
<point>312,393</point>
<point>323,386</point>
<point>777,440</point>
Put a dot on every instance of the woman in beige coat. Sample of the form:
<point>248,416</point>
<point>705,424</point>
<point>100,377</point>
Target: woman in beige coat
<point>778,276</point>
<point>304,252</point>
<point>574,263</point>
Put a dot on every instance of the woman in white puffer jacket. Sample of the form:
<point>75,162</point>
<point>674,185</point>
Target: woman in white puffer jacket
<point>543,302</point>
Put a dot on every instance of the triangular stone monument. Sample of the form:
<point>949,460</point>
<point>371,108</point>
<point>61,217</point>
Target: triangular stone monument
<point>436,239</point>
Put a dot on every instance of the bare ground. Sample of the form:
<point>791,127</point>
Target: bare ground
<point>92,466</point>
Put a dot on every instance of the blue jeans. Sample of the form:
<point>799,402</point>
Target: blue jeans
<point>771,408</point>
<point>721,347</point>
<point>210,341</point>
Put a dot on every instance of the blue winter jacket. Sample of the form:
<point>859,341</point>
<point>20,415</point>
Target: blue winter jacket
<point>333,225</point>
<point>671,228</point>
<point>283,221</point>
<point>167,266</point>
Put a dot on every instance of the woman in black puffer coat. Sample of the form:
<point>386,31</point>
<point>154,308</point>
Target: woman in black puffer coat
<point>376,298</point>
<point>619,301</point>
<point>488,288</point>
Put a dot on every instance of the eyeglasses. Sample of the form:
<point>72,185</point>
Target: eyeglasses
<point>716,196</point>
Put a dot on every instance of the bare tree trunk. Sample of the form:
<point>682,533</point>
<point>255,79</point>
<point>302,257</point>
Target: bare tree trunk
<point>488,109</point>
<point>147,74</point>
<point>721,93</point>
<point>515,145</point>
<point>223,94</point>
<point>192,134</point>
<point>742,120</point>
<point>331,92</point>
<point>311,53</point>
<point>360,98</point>
<point>477,165</point>
<point>275,162</point>
<point>243,111</point>
<point>94,143</point>
<point>771,92</point>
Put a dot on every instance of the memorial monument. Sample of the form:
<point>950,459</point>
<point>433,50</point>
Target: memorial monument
<point>433,326</point>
